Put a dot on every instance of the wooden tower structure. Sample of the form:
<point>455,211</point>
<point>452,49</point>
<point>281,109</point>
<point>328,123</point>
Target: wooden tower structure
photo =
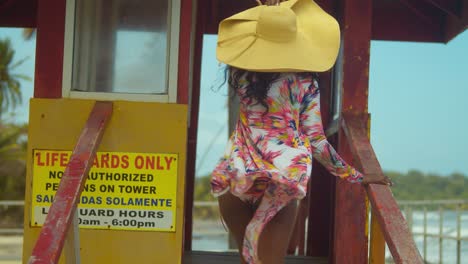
<point>339,209</point>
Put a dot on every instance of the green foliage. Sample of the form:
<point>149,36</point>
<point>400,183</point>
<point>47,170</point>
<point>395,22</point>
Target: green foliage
<point>13,142</point>
<point>12,171</point>
<point>202,191</point>
<point>413,185</point>
<point>10,93</point>
<point>416,185</point>
<point>13,137</point>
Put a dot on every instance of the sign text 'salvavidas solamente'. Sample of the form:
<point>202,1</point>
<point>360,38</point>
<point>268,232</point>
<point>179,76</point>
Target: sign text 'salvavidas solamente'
<point>123,191</point>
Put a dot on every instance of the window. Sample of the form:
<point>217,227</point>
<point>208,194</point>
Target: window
<point>121,49</point>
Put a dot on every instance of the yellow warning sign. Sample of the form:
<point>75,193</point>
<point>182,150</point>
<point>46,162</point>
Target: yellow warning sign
<point>123,191</point>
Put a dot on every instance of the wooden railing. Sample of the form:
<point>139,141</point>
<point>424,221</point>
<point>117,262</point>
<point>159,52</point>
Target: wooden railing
<point>385,209</point>
<point>62,217</point>
<point>11,230</point>
<point>446,220</point>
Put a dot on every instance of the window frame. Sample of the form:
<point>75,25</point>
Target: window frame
<point>336,94</point>
<point>171,73</point>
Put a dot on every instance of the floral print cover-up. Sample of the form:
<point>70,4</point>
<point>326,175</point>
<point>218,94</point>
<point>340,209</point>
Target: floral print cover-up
<point>268,157</point>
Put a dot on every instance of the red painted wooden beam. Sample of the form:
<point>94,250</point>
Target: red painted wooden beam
<point>200,17</point>
<point>451,7</point>
<point>350,240</point>
<point>185,44</point>
<point>52,237</point>
<point>18,13</point>
<point>424,11</point>
<point>49,48</point>
<point>394,227</point>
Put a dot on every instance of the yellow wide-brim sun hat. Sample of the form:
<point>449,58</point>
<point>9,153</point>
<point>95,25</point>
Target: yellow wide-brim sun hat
<point>295,36</point>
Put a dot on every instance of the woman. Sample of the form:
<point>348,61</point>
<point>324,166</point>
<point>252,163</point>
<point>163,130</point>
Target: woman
<point>272,53</point>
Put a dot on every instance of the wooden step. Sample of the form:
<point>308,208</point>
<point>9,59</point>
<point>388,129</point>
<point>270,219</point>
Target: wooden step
<point>202,257</point>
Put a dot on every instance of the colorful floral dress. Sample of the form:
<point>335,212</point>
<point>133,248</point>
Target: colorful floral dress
<point>268,158</point>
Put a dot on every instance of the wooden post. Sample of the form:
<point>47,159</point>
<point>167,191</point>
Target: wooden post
<point>188,26</point>
<point>459,210</point>
<point>194,103</point>
<point>233,114</point>
<point>377,242</point>
<point>49,47</point>
<point>350,243</point>
<point>72,242</point>
<point>425,235</point>
<point>441,233</point>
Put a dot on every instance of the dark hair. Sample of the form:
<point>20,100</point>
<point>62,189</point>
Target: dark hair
<point>258,82</point>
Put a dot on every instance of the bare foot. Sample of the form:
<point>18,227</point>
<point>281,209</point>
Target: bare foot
<point>377,179</point>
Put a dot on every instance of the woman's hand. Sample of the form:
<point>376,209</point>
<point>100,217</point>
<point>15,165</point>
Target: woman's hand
<point>270,2</point>
<point>377,179</point>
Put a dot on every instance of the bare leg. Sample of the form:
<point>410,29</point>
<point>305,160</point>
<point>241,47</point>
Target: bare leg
<point>274,240</point>
<point>236,214</point>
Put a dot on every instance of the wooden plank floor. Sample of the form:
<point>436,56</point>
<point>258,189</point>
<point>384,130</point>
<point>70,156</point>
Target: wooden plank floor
<point>200,257</point>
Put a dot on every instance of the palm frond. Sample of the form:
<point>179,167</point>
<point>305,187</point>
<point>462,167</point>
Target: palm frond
<point>11,143</point>
<point>10,85</point>
<point>22,77</point>
<point>18,63</point>
<point>28,33</point>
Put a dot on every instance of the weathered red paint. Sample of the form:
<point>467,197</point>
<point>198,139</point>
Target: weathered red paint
<point>396,232</point>
<point>53,233</point>
<point>350,243</point>
<point>193,123</point>
<point>424,11</point>
<point>405,26</point>
<point>356,30</point>
<point>185,43</point>
<point>18,13</point>
<point>451,7</point>
<point>419,20</point>
<point>49,49</point>
<point>218,10</point>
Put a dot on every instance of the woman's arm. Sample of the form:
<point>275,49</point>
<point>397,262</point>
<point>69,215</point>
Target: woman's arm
<point>311,125</point>
<point>322,150</point>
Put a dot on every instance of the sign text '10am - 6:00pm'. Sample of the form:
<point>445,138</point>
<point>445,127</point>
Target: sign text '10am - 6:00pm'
<point>123,191</point>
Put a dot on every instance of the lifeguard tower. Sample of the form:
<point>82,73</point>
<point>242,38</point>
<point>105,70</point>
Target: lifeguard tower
<point>132,116</point>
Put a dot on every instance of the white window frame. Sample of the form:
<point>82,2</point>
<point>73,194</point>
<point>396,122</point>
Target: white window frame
<point>337,85</point>
<point>172,69</point>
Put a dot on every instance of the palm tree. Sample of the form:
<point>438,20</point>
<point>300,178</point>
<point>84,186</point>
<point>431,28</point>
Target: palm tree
<point>10,93</point>
<point>12,137</point>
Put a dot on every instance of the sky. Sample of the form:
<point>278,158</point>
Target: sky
<point>418,96</point>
